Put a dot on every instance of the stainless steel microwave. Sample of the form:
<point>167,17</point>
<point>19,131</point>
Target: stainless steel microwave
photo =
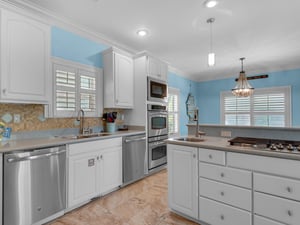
<point>157,90</point>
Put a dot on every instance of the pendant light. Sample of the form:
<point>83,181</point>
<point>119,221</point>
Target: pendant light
<point>242,88</point>
<point>211,55</point>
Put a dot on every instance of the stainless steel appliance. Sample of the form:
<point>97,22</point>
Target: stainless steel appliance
<point>157,120</point>
<point>283,146</point>
<point>157,151</point>
<point>34,185</point>
<point>157,90</point>
<point>135,164</point>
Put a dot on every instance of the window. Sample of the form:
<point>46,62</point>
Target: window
<point>75,88</point>
<point>173,111</point>
<point>269,107</point>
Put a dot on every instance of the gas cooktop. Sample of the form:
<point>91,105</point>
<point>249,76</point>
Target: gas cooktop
<point>270,144</point>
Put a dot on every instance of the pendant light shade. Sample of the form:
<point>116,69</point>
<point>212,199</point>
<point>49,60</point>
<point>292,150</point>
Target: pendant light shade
<point>211,55</point>
<point>242,88</point>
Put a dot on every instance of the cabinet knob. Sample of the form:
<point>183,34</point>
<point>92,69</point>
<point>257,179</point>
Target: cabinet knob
<point>222,175</point>
<point>210,156</point>
<point>289,189</point>
<point>222,193</point>
<point>4,91</point>
<point>97,157</point>
<point>101,156</point>
<point>117,100</point>
<point>194,155</point>
<point>290,213</point>
<point>222,217</point>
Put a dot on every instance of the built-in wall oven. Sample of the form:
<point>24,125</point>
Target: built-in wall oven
<point>157,90</point>
<point>157,132</point>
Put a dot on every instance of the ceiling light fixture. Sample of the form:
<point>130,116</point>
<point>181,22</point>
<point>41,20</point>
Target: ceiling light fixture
<point>211,55</point>
<point>242,88</point>
<point>142,32</point>
<point>210,3</point>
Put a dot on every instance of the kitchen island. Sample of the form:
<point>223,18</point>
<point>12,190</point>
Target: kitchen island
<point>213,182</point>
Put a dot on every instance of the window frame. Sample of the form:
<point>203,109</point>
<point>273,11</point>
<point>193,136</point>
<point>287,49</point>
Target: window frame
<point>79,70</point>
<point>175,91</point>
<point>258,91</point>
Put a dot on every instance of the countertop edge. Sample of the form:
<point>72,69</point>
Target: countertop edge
<point>218,143</point>
<point>27,144</point>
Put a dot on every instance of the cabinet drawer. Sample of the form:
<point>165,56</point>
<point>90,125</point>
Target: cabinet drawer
<point>237,177</point>
<point>279,186</point>
<point>90,146</point>
<point>226,193</point>
<point>212,156</point>
<point>280,209</point>
<point>258,220</point>
<point>277,166</point>
<point>216,213</point>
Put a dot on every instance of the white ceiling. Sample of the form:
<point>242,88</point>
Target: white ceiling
<point>266,32</point>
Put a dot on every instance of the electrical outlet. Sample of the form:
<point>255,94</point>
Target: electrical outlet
<point>225,133</point>
<point>17,118</point>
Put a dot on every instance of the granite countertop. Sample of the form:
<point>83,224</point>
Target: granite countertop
<point>219,143</point>
<point>26,144</point>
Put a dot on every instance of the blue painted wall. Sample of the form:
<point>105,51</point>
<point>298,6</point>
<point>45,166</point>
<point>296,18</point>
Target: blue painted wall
<point>183,84</point>
<point>208,94</point>
<point>72,47</point>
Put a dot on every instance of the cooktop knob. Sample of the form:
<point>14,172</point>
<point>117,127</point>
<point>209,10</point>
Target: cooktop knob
<point>280,146</point>
<point>273,147</point>
<point>290,147</point>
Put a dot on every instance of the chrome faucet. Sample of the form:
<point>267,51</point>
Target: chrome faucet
<point>80,117</point>
<point>196,118</point>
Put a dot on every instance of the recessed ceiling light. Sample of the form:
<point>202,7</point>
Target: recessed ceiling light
<point>210,3</point>
<point>142,32</point>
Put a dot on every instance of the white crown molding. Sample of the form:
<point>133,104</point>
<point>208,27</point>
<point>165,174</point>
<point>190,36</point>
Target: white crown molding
<point>180,73</point>
<point>46,16</point>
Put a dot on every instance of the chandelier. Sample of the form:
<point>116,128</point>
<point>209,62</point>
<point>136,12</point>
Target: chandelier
<point>242,88</point>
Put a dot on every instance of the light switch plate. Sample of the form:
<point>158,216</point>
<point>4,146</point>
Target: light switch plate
<point>17,118</point>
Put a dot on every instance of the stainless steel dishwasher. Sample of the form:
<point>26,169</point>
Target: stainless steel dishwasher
<point>135,158</point>
<point>34,185</point>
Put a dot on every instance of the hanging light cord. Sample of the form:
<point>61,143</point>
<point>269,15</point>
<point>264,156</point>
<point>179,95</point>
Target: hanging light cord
<point>210,21</point>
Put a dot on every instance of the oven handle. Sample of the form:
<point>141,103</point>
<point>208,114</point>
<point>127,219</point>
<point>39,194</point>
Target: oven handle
<point>157,143</point>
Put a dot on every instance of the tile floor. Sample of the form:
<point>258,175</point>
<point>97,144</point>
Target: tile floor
<point>141,203</point>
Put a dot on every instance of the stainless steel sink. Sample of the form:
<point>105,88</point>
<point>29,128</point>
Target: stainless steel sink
<point>80,136</point>
<point>190,139</point>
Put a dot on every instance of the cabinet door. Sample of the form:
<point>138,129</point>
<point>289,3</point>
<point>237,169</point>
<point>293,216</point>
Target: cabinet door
<point>183,180</point>
<point>110,169</point>
<point>83,178</point>
<point>25,54</point>
<point>123,81</point>
<point>157,69</point>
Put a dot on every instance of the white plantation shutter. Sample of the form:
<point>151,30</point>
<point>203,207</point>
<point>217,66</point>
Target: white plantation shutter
<point>266,107</point>
<point>74,89</point>
<point>173,111</point>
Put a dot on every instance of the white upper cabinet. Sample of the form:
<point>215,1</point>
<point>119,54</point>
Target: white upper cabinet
<point>157,68</point>
<point>118,79</point>
<point>25,54</point>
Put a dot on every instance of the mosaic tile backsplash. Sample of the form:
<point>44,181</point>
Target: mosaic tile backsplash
<point>32,118</point>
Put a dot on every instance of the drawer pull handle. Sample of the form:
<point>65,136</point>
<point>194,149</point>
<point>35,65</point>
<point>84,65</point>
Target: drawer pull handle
<point>194,155</point>
<point>222,217</point>
<point>222,193</point>
<point>290,213</point>
<point>289,189</point>
<point>210,156</point>
<point>222,175</point>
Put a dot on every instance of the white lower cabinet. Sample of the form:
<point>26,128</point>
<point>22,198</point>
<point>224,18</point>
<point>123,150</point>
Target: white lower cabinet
<point>94,168</point>
<point>215,213</point>
<point>183,180</point>
<point>235,188</point>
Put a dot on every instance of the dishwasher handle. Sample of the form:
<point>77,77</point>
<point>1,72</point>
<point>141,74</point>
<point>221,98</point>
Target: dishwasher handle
<point>26,158</point>
<point>134,140</point>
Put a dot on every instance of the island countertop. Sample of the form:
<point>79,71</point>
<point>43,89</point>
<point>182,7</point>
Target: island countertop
<point>219,143</point>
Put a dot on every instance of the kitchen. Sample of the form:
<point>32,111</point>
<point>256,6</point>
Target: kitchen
<point>72,49</point>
